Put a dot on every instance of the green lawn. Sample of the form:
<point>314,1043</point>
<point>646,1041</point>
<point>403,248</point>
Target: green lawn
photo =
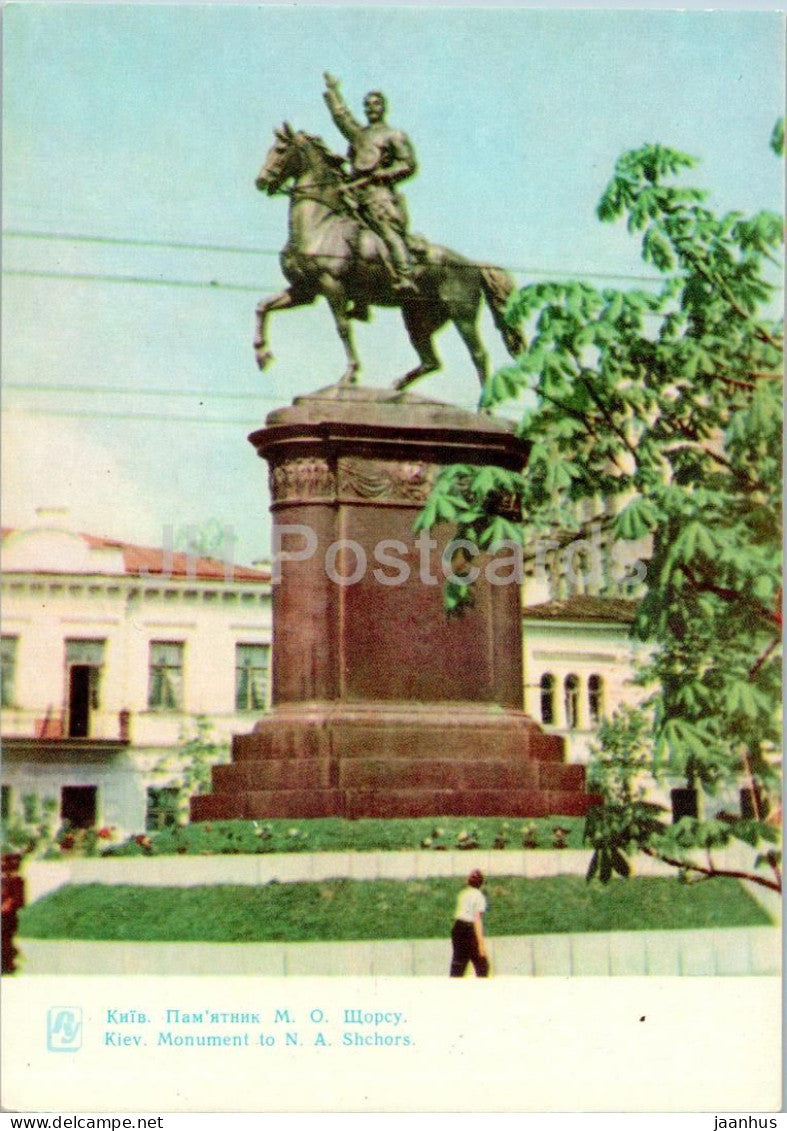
<point>383,909</point>
<point>336,834</point>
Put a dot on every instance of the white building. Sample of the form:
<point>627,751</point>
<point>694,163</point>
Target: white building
<point>110,652</point>
<point>579,604</point>
<point>579,662</point>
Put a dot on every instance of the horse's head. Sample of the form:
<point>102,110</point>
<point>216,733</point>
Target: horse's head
<point>294,153</point>
<point>282,161</point>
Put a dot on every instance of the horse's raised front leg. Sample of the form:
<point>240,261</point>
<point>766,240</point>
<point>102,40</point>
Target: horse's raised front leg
<point>337,300</point>
<point>284,300</point>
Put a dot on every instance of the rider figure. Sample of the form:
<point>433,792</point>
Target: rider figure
<point>380,157</point>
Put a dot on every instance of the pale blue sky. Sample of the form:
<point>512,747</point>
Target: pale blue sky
<point>150,123</point>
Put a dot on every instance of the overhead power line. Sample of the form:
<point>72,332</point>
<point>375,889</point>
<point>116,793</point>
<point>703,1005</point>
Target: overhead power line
<point>136,280</point>
<point>191,284</point>
<point>130,241</point>
<point>115,390</point>
<point>236,249</point>
<point>118,390</point>
<point>126,390</point>
<point>248,288</point>
<point>246,422</point>
<point>244,288</point>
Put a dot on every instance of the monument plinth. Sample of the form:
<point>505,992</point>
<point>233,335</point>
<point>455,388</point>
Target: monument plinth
<point>383,704</point>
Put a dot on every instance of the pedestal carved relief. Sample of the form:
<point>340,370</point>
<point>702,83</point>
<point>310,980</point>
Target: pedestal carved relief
<point>385,481</point>
<point>381,481</point>
<point>302,480</point>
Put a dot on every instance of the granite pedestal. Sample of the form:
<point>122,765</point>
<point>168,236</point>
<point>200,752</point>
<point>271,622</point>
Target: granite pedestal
<point>382,703</point>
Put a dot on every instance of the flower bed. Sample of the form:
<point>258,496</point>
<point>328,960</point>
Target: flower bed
<point>334,834</point>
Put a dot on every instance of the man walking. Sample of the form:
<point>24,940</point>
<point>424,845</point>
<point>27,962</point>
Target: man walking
<point>467,935</point>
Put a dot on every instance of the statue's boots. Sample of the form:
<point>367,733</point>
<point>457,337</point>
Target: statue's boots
<point>405,284</point>
<point>359,311</point>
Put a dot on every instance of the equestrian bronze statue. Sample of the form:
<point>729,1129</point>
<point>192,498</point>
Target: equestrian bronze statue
<point>348,241</point>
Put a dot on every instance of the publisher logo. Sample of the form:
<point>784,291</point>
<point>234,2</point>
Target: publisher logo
<point>64,1029</point>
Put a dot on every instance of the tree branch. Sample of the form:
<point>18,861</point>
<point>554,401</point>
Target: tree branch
<point>580,416</point>
<point>716,280</point>
<point>771,648</point>
<point>697,446</point>
<point>748,385</point>
<point>776,871</point>
<point>605,413</point>
<point>757,374</point>
<point>727,594</point>
<point>767,374</point>
<point>583,421</point>
<point>772,885</point>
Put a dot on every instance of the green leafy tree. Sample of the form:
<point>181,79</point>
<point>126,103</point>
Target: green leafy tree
<point>31,831</point>
<point>188,766</point>
<point>667,400</point>
<point>208,539</point>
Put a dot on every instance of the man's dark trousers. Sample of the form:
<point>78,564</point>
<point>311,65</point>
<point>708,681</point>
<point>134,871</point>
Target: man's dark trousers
<point>465,943</point>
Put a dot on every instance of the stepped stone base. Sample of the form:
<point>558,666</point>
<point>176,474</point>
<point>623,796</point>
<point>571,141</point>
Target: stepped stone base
<point>383,705</point>
<point>389,760</point>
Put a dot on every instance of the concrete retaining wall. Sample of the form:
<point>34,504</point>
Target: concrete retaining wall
<point>732,951</point>
<point>42,877</point>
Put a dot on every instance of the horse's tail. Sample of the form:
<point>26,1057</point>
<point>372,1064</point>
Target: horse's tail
<point>498,288</point>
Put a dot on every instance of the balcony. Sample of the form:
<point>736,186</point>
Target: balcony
<point>30,734</point>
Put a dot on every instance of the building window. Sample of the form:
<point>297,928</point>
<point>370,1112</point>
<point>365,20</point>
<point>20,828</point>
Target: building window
<point>84,664</point>
<point>8,670</point>
<point>162,810</point>
<point>166,676</point>
<point>571,694</point>
<point>578,568</point>
<point>595,698</point>
<point>252,662</point>
<point>78,805</point>
<point>547,686</point>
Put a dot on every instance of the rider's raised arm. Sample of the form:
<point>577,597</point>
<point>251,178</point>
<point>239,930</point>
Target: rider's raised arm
<point>340,112</point>
<point>401,162</point>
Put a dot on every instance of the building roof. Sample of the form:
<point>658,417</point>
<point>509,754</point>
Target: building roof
<point>616,610</point>
<point>144,560</point>
<point>139,561</point>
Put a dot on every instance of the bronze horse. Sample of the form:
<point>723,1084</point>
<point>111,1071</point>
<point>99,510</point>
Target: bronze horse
<point>331,252</point>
